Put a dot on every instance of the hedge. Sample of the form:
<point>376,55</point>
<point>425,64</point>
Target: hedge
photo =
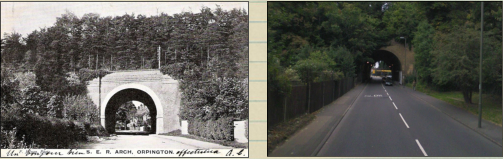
<point>220,129</point>
<point>50,132</point>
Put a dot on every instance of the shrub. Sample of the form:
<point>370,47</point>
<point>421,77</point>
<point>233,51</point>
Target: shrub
<point>87,74</point>
<point>9,87</point>
<point>45,131</point>
<point>221,97</point>
<point>25,79</point>
<point>220,129</point>
<point>81,108</point>
<point>34,100</point>
<point>96,130</point>
<point>9,140</point>
<point>180,70</point>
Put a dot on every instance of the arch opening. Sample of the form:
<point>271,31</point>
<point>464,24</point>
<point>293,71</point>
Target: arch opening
<point>390,60</point>
<point>128,95</point>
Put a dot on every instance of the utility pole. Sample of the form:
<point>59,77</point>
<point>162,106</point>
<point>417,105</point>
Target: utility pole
<point>480,63</point>
<point>97,61</point>
<point>159,57</point>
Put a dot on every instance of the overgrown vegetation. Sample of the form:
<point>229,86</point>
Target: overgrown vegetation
<point>30,116</point>
<point>213,77</point>
<point>220,129</point>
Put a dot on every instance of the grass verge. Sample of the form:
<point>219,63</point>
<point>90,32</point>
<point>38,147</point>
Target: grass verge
<point>284,130</point>
<point>220,142</point>
<point>491,104</point>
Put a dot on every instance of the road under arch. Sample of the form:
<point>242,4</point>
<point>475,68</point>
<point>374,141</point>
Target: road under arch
<point>130,92</point>
<point>389,59</point>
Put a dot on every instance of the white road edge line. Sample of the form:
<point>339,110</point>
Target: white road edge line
<point>394,105</point>
<point>421,147</point>
<point>390,98</point>
<point>403,120</point>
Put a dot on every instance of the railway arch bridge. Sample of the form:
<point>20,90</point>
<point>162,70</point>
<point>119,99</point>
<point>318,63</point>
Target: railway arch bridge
<point>396,55</point>
<point>158,92</point>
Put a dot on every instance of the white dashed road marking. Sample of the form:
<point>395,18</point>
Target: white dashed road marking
<point>390,98</point>
<point>403,120</point>
<point>394,105</point>
<point>421,147</point>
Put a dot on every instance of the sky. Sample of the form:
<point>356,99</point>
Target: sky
<point>25,17</point>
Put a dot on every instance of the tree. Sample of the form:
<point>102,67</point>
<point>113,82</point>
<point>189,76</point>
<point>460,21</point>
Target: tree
<point>51,70</point>
<point>311,68</point>
<point>402,19</point>
<point>456,56</point>
<point>424,44</point>
<point>13,48</point>
<point>126,112</point>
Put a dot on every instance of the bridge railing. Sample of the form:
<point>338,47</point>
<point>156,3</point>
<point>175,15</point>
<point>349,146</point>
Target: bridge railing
<point>280,109</point>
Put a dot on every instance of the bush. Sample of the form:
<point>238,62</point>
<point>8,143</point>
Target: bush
<point>220,129</point>
<point>87,74</point>
<point>47,132</point>
<point>81,108</point>
<point>9,140</point>
<point>34,100</point>
<point>222,97</point>
<point>181,70</point>
<point>96,130</point>
<point>26,79</point>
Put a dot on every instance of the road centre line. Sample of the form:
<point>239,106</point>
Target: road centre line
<point>421,147</point>
<point>403,120</point>
<point>390,98</point>
<point>394,105</point>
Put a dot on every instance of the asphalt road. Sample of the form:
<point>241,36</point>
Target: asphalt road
<point>386,121</point>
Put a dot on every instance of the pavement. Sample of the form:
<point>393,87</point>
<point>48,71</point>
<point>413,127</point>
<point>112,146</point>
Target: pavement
<point>153,142</point>
<point>377,120</point>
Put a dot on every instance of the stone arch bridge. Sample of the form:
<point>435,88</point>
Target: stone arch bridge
<point>156,91</point>
<point>400,57</point>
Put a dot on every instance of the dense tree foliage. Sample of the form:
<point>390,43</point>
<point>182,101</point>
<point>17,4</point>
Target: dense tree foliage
<point>449,46</point>
<point>346,32</point>
<point>424,44</point>
<point>349,32</point>
<point>207,52</point>
<point>210,61</point>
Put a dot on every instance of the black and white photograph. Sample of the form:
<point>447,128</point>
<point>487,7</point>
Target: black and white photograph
<point>124,79</point>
